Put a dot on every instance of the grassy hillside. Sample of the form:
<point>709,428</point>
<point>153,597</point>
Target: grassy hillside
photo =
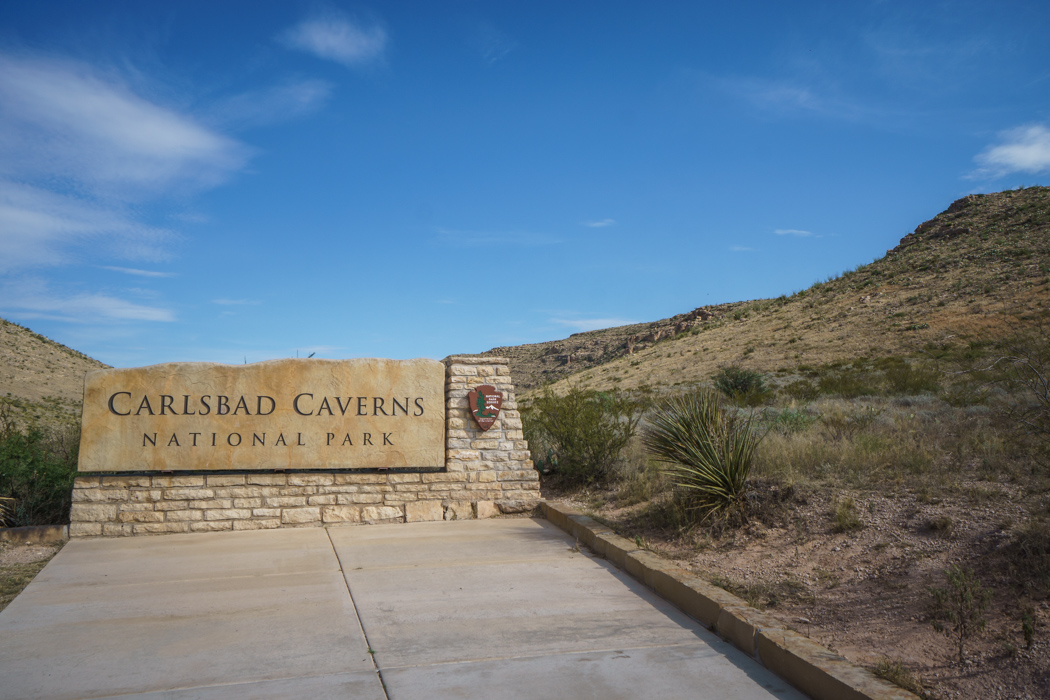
<point>41,381</point>
<point>979,270</point>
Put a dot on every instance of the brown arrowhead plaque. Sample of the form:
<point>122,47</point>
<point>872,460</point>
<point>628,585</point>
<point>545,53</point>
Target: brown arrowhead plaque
<point>485,402</point>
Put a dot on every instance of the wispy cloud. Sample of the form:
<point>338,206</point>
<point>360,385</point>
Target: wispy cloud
<point>139,273</point>
<point>740,249</point>
<point>792,232</point>
<point>29,299</point>
<point>493,43</point>
<point>63,121</point>
<point>590,324</point>
<point>335,37</point>
<point>272,105</point>
<point>600,223</point>
<point>235,302</point>
<point>475,238</point>
<point>40,228</point>
<point>1023,149</point>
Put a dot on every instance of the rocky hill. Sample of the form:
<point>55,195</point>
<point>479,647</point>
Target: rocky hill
<point>41,381</point>
<point>979,270</point>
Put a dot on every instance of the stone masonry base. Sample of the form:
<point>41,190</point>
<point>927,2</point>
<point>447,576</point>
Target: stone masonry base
<point>486,473</point>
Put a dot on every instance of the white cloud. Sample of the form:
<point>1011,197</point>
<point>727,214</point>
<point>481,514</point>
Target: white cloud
<point>61,120</point>
<point>334,37</point>
<point>493,43</point>
<point>601,223</point>
<point>590,324</point>
<point>272,105</point>
<point>1023,149</point>
<point>792,232</point>
<point>138,273</point>
<point>33,299</point>
<point>39,227</point>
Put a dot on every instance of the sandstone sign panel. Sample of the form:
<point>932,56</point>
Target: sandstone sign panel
<point>281,414</point>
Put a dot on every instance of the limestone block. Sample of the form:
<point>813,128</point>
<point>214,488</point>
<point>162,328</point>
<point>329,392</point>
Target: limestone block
<point>267,524</point>
<point>160,528</point>
<point>341,514</point>
<point>140,517</point>
<point>81,529</point>
<point>327,499</point>
<point>360,478</point>
<point>267,479</point>
<point>419,511</point>
<point>300,515</point>
<point>93,512</point>
<point>374,514</point>
<point>486,509</point>
<point>228,514</point>
<point>266,513</point>
<point>187,515</point>
<point>211,526</point>
<point>344,499</point>
<point>212,503</point>
<point>86,482</point>
<point>463,443</point>
<point>484,444</point>
<point>124,482</point>
<point>247,503</point>
<point>463,370</point>
<point>516,505</point>
<point>145,495</point>
<point>285,501</point>
<point>296,490</point>
<point>485,476</point>
<point>171,505</point>
<point>132,507</point>
<point>458,510</point>
<point>99,495</point>
<point>310,479</point>
<point>410,488</point>
<point>183,494</point>
<point>117,529</point>
<point>225,480</point>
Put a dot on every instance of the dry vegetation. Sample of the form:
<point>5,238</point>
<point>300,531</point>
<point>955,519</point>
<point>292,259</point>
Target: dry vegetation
<point>898,443</point>
<point>41,381</point>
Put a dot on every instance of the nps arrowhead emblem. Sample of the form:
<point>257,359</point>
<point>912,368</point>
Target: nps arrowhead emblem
<point>485,402</point>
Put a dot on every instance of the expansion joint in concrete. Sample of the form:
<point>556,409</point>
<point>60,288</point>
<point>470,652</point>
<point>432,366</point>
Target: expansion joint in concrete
<point>357,615</point>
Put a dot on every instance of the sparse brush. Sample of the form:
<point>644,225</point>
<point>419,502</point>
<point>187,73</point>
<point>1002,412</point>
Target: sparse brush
<point>743,385</point>
<point>895,672</point>
<point>708,450</point>
<point>846,518</point>
<point>958,610</point>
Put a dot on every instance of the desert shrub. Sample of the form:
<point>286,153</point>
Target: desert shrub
<point>958,609</point>
<point>708,451</point>
<point>848,384</point>
<point>740,384</point>
<point>37,472</point>
<point>845,517</point>
<point>787,420</point>
<point>1029,553</point>
<point>802,390</point>
<point>895,672</point>
<point>908,380</point>
<point>583,432</point>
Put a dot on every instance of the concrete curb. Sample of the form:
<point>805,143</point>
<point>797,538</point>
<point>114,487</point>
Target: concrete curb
<point>799,660</point>
<point>35,534</point>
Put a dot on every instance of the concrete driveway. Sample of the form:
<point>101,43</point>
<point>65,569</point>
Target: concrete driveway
<point>473,609</point>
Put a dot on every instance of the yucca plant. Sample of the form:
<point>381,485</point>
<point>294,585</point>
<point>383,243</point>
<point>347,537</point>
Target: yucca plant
<point>707,449</point>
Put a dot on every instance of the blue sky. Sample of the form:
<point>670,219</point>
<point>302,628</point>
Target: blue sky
<point>241,181</point>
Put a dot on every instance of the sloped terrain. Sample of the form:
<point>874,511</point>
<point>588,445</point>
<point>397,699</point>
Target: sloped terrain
<point>41,381</point>
<point>978,270</point>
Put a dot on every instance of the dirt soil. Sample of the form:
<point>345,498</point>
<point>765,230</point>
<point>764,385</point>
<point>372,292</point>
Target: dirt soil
<point>19,564</point>
<point>866,594</point>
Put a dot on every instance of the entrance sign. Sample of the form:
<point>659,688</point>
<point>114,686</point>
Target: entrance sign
<point>485,402</point>
<point>281,414</point>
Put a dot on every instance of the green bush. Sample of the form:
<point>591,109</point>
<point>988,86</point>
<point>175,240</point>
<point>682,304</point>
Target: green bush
<point>740,384</point>
<point>708,451</point>
<point>582,433</point>
<point>958,609</point>
<point>37,471</point>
